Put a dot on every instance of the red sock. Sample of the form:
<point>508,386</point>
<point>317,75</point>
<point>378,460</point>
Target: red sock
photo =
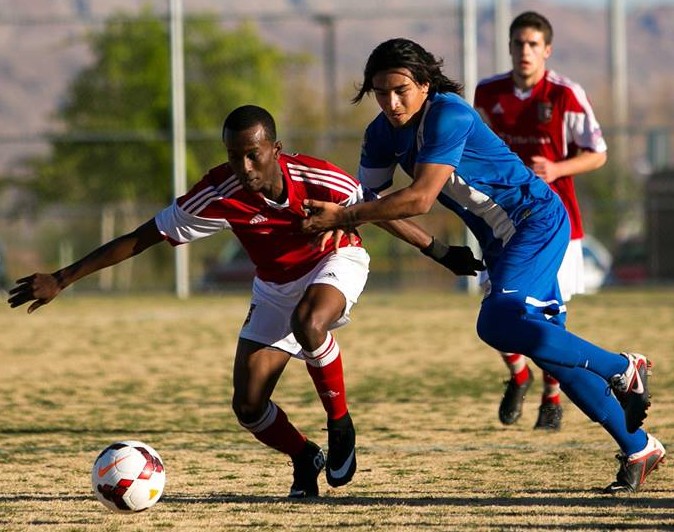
<point>325,367</point>
<point>517,365</point>
<point>275,431</point>
<point>551,390</point>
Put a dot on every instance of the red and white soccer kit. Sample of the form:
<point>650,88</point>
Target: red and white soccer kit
<point>553,119</point>
<point>287,260</point>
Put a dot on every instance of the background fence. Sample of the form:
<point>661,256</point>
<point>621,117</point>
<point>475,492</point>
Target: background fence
<point>44,46</point>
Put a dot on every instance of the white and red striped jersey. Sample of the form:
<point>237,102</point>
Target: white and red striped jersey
<point>553,119</point>
<point>270,232</point>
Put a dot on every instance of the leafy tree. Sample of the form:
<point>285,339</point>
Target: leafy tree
<point>116,121</point>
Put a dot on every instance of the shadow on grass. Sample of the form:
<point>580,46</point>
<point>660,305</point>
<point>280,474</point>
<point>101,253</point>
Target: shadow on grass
<point>552,498</point>
<point>112,430</point>
<point>583,501</point>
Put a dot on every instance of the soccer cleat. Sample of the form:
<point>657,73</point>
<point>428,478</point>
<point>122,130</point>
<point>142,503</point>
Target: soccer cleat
<point>631,389</point>
<point>510,408</point>
<point>341,462</point>
<point>549,417</point>
<point>307,465</point>
<point>636,467</point>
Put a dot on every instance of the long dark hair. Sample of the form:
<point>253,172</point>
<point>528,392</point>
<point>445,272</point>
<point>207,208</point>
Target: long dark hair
<point>404,53</point>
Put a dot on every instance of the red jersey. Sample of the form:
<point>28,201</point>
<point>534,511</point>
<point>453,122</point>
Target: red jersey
<point>270,232</point>
<point>553,119</point>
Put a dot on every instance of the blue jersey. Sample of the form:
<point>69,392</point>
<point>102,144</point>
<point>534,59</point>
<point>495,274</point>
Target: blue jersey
<point>491,189</point>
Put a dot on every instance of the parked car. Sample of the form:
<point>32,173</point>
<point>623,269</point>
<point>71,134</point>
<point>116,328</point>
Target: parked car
<point>597,262</point>
<point>230,269</point>
<point>631,262</point>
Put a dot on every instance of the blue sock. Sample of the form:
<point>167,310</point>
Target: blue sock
<point>588,392</point>
<point>503,325</point>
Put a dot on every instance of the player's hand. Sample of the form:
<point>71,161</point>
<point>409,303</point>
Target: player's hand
<point>323,215</point>
<point>336,236</point>
<point>40,288</point>
<point>544,168</point>
<point>458,259</point>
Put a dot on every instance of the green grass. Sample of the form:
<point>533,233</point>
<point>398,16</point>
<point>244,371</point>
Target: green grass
<point>423,390</point>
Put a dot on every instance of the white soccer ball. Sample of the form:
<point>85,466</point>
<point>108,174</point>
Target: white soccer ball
<point>128,476</point>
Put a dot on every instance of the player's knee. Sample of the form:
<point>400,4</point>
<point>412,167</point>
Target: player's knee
<point>246,411</point>
<point>307,327</point>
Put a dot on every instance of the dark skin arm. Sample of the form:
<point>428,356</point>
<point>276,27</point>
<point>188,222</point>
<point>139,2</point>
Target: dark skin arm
<point>42,288</point>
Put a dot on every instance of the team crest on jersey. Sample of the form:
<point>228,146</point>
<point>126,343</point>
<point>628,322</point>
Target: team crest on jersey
<point>544,112</point>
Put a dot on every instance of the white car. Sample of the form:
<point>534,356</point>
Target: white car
<point>597,262</point>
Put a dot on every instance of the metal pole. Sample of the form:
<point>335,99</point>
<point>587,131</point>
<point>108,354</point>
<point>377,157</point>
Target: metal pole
<point>327,21</point>
<point>618,45</point>
<point>178,121</point>
<point>469,31</point>
<point>469,21</point>
<point>502,17</point>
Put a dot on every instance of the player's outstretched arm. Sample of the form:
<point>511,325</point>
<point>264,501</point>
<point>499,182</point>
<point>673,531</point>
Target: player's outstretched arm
<point>41,288</point>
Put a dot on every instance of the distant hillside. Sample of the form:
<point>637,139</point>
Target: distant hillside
<point>41,48</point>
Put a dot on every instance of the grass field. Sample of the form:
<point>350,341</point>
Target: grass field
<point>84,372</point>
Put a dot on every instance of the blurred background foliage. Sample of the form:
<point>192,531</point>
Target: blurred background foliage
<point>109,158</point>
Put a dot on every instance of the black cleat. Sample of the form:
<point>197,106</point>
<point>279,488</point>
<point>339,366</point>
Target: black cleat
<point>636,467</point>
<point>307,465</point>
<point>510,409</point>
<point>549,417</point>
<point>341,462</point>
<point>631,389</point>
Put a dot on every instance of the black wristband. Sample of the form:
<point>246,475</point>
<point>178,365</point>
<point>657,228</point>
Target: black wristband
<point>436,250</point>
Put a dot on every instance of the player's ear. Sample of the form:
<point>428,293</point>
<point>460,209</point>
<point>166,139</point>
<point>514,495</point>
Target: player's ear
<point>548,51</point>
<point>278,146</point>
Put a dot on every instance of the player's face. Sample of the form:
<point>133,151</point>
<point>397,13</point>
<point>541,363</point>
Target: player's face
<point>254,159</point>
<point>528,53</point>
<point>399,95</point>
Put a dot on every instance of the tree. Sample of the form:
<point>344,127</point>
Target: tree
<point>116,123</point>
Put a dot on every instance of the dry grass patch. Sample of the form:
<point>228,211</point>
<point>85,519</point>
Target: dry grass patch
<point>423,390</point>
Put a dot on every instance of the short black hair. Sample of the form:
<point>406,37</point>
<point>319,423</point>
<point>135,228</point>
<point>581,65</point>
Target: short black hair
<point>404,53</point>
<point>248,116</point>
<point>531,19</point>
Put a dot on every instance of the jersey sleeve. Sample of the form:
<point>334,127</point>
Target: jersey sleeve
<point>581,125</point>
<point>480,102</point>
<point>377,159</point>
<point>446,130</point>
<point>179,225</point>
<point>348,190</point>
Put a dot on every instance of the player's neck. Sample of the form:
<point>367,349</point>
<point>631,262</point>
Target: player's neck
<point>527,82</point>
<point>277,191</point>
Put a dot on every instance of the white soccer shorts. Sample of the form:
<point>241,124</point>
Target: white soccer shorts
<point>571,272</point>
<point>272,304</point>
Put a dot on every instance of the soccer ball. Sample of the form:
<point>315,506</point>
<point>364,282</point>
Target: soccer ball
<point>128,476</point>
